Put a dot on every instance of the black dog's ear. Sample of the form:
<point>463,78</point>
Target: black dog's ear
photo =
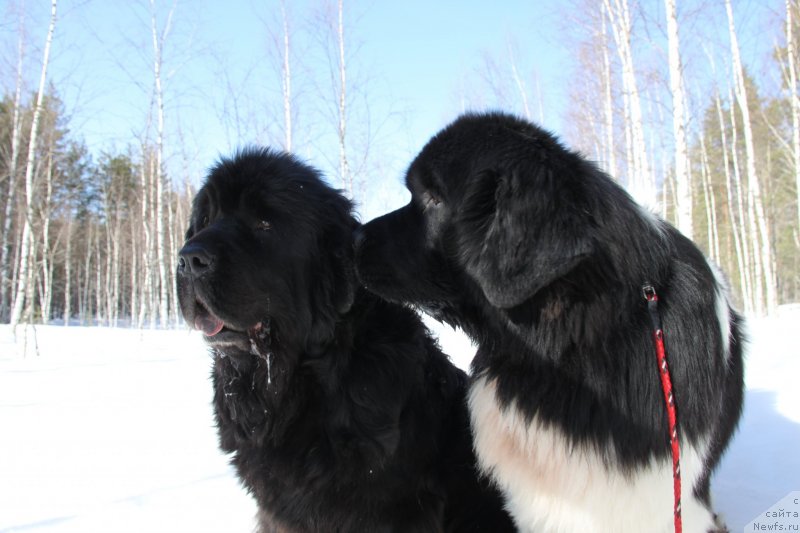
<point>525,229</point>
<point>345,279</point>
<point>334,283</point>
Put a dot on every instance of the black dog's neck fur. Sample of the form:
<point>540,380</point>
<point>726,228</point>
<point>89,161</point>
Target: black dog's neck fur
<point>339,435</point>
<point>253,387</point>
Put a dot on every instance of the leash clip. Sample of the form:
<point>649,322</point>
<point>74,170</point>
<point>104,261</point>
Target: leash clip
<point>649,292</point>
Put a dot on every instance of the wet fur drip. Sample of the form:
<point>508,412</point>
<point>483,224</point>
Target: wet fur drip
<point>249,390</point>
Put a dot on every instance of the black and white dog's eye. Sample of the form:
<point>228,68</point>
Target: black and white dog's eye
<point>264,225</point>
<point>430,200</point>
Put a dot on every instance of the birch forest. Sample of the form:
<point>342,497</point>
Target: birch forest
<point>89,235</point>
<point>698,137</point>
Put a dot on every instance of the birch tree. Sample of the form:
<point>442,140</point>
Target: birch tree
<point>67,314</point>
<point>640,180</point>
<point>344,164</point>
<point>683,186</point>
<point>16,133</point>
<point>148,254</point>
<point>794,98</point>
<point>45,273</point>
<point>750,264</point>
<point>27,243</point>
<point>608,98</point>
<point>592,119</point>
<point>165,282</point>
<point>710,203</point>
<point>518,81</point>
<point>753,184</point>
<point>286,80</point>
<point>280,112</point>
<point>343,92</point>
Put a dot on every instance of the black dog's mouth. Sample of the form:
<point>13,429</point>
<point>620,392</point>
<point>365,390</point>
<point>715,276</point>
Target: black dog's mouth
<point>219,334</point>
<point>206,321</point>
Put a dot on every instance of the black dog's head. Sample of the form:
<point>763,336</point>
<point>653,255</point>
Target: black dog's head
<point>498,212</point>
<point>267,240</point>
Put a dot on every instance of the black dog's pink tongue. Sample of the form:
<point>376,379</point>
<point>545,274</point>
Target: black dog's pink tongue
<point>208,324</point>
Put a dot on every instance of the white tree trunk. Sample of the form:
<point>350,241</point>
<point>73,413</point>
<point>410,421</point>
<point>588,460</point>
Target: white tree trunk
<point>134,273</point>
<point>640,180</point>
<point>115,270</point>
<point>608,100</point>
<point>27,244</point>
<point>106,286</point>
<point>98,282</point>
<point>683,186</point>
<point>540,100</point>
<point>15,262</point>
<point>794,98</point>
<point>172,246</point>
<point>520,84</point>
<point>741,261</point>
<point>754,186</point>
<point>286,79</point>
<point>738,196</point>
<point>45,295</point>
<point>68,272</point>
<point>710,203</point>
<point>16,133</point>
<point>163,271</point>
<point>86,315</point>
<point>147,254</point>
<point>344,165</point>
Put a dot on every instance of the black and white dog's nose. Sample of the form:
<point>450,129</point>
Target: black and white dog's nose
<point>195,260</point>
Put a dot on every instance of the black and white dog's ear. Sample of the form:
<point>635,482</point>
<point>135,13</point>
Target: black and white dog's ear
<point>524,230</point>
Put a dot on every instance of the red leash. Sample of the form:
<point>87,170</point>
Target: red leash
<point>669,400</point>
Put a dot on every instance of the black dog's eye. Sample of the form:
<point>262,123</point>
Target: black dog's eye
<point>263,225</point>
<point>204,221</point>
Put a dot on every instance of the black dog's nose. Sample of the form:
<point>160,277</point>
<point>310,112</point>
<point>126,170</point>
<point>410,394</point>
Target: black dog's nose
<point>195,260</point>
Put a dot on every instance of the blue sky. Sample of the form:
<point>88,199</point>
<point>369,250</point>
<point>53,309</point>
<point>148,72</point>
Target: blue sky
<point>432,46</point>
<point>416,53</point>
<point>420,63</point>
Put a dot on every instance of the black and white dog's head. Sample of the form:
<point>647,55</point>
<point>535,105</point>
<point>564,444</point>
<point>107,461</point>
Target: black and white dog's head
<point>267,240</point>
<point>499,211</point>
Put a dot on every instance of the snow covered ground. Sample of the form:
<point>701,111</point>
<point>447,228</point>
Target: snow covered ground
<point>110,430</point>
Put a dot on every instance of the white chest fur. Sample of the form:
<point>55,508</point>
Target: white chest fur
<point>551,485</point>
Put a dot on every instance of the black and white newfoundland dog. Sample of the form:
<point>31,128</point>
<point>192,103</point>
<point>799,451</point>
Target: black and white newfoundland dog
<point>542,259</point>
<point>339,410</point>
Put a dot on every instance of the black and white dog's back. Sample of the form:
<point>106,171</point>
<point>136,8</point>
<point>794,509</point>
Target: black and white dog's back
<point>542,259</point>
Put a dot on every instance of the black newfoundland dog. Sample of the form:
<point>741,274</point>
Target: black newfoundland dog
<point>542,259</point>
<point>341,412</point>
